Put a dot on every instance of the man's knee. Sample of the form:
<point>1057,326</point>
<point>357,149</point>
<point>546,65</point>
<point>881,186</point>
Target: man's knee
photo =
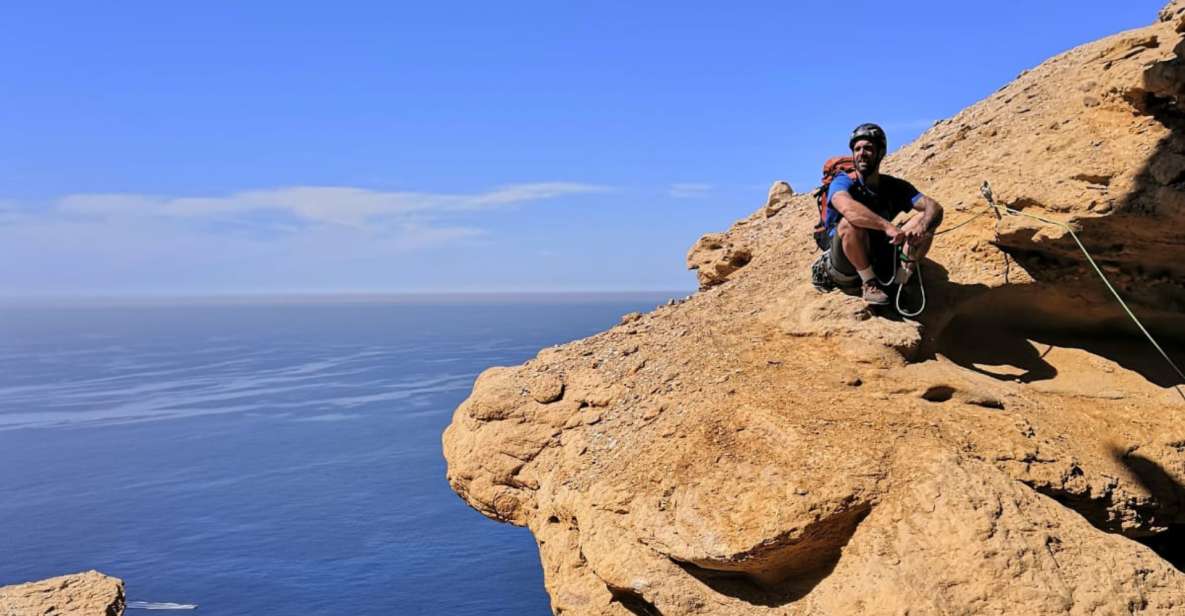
<point>847,229</point>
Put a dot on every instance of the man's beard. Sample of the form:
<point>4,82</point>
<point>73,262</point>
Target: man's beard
<point>868,167</point>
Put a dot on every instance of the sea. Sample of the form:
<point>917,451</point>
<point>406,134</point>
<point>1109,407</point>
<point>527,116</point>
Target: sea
<point>266,457</point>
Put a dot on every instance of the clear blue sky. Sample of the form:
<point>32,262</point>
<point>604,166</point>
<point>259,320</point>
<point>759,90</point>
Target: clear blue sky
<point>264,147</point>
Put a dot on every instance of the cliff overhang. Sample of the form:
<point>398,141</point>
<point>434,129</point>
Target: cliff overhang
<point>764,448</point>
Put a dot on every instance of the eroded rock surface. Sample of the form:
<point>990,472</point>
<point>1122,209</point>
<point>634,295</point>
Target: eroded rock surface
<point>82,594</point>
<point>766,449</point>
<point>715,257</point>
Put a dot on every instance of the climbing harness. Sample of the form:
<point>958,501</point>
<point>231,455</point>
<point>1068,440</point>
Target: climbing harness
<point>824,282</point>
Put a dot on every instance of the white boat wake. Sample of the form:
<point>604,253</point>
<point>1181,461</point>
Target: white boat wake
<point>153,605</point>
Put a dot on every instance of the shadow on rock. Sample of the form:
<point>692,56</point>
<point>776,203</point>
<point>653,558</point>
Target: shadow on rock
<point>1169,506</point>
<point>789,573</point>
<point>1008,332</point>
<point>1135,237</point>
<point>739,586</point>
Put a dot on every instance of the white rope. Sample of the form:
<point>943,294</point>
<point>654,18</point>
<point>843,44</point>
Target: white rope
<point>917,274</point>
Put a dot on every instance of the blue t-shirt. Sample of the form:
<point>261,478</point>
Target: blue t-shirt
<point>892,197</point>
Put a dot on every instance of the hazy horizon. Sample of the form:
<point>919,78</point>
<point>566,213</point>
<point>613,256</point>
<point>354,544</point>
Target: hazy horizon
<point>409,297</point>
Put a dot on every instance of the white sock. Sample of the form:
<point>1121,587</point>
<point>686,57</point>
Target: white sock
<point>866,274</point>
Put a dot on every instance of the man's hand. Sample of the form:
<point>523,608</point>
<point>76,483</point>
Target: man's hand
<point>896,236</point>
<point>915,231</point>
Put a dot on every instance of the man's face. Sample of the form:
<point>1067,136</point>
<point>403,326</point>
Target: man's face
<point>866,156</point>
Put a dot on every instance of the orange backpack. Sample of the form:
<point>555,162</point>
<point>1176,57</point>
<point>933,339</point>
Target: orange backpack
<point>828,217</point>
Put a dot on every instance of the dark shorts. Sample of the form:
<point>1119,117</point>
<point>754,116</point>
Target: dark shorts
<point>882,252</point>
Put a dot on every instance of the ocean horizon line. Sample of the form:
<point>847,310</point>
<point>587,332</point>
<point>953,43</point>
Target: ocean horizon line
<point>409,297</point>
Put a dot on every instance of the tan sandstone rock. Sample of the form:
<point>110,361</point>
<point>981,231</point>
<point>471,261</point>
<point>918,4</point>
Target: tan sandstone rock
<point>766,449</point>
<point>82,594</point>
<point>716,257</point>
<point>779,197</point>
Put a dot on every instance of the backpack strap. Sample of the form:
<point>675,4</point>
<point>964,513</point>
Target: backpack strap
<point>834,166</point>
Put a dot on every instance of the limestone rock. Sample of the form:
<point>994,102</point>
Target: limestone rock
<point>82,594</point>
<point>546,388</point>
<point>1174,13</point>
<point>779,197</point>
<point>1017,449</point>
<point>716,258</point>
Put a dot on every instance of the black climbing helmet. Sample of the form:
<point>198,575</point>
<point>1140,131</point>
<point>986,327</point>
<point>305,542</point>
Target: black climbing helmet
<point>871,132</point>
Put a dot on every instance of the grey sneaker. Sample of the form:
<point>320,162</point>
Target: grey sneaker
<point>873,294</point>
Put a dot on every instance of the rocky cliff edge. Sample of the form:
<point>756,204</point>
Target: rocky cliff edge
<point>766,449</point>
<point>82,594</point>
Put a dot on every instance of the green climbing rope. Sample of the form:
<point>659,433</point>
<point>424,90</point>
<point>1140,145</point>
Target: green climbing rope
<point>986,191</point>
<point>985,211</point>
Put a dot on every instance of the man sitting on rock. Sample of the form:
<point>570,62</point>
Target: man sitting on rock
<point>865,241</point>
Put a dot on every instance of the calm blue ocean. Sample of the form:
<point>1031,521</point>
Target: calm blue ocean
<point>265,459</point>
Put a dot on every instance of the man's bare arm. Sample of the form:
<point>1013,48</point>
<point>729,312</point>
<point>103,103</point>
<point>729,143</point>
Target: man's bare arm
<point>858,214</point>
<point>931,213</point>
<point>926,222</point>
